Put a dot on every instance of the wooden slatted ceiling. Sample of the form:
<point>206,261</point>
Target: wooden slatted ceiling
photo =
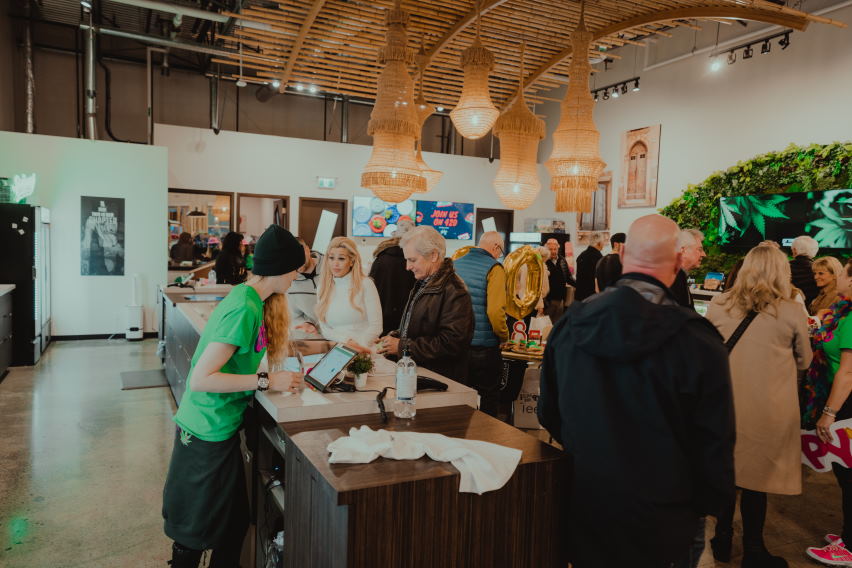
<point>332,44</point>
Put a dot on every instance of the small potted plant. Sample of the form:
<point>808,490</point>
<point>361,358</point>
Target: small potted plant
<point>360,366</point>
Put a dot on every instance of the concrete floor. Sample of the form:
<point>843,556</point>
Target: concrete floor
<point>82,465</point>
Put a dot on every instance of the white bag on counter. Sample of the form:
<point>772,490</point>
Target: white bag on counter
<point>525,407</point>
<point>542,324</point>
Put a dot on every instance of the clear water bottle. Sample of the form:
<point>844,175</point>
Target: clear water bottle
<point>211,277</point>
<point>406,387</point>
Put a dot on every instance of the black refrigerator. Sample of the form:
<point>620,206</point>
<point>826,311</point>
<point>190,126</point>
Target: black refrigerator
<point>25,234</point>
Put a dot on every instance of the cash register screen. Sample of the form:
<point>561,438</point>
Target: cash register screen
<point>330,366</point>
<point>701,307</point>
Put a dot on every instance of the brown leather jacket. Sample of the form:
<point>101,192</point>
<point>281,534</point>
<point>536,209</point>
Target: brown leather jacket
<point>440,326</point>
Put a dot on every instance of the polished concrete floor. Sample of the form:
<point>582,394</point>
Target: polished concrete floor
<point>82,465</point>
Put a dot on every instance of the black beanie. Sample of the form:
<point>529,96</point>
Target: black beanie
<point>277,252</point>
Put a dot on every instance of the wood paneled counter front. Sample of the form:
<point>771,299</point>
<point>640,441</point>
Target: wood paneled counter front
<point>410,513</point>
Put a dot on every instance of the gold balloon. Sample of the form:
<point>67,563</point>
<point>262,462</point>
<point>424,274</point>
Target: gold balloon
<point>524,271</point>
<point>461,252</point>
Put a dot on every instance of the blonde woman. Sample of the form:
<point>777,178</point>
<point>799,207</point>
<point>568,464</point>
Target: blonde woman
<point>204,500</point>
<point>348,307</point>
<point>826,270</point>
<point>763,374</point>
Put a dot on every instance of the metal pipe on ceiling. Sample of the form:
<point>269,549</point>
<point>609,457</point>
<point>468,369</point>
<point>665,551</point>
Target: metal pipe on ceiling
<point>191,12</point>
<point>90,82</point>
<point>174,44</point>
<point>28,70</point>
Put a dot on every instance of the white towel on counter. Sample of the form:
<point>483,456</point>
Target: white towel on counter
<point>483,466</point>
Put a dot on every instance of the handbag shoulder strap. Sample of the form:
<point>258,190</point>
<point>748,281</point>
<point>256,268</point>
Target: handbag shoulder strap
<point>741,329</point>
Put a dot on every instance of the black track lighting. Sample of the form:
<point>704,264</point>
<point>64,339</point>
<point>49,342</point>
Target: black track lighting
<point>748,52</point>
<point>764,49</point>
<point>615,93</point>
<point>606,95</point>
<point>596,96</point>
<point>785,41</point>
<point>624,88</point>
<point>635,85</point>
<point>732,58</point>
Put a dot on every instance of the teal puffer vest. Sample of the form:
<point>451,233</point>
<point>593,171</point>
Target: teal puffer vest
<point>473,268</point>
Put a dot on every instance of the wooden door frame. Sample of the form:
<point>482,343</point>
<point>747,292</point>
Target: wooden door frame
<point>229,194</point>
<point>511,212</point>
<point>285,198</point>
<point>345,203</point>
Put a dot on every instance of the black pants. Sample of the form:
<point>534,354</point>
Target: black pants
<point>753,510</point>
<point>484,373</point>
<point>844,479</point>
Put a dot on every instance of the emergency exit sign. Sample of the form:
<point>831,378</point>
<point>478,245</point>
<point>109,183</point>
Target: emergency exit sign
<point>326,183</point>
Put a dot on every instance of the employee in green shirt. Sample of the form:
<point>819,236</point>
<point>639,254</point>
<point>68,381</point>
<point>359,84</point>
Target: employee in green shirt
<point>205,505</point>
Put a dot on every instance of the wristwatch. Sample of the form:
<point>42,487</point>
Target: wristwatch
<point>262,381</point>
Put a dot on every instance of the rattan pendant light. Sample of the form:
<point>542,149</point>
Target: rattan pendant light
<point>575,164</point>
<point>392,173</point>
<point>424,111</point>
<point>474,114</point>
<point>519,131</point>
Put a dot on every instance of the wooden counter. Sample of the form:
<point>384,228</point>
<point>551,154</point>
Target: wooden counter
<point>410,513</point>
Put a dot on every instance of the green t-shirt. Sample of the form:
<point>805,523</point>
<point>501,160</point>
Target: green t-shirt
<point>842,339</point>
<point>237,320</point>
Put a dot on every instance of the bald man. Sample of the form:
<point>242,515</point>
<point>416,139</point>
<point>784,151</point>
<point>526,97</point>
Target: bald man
<point>637,390</point>
<point>485,279</point>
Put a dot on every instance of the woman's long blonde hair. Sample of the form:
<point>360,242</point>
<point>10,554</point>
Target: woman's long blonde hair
<point>762,282</point>
<point>326,285</point>
<point>276,319</point>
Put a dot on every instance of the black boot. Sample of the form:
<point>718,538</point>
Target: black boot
<point>760,558</point>
<point>183,557</point>
<point>721,545</point>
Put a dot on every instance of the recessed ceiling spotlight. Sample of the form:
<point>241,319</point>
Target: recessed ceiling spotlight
<point>313,89</point>
<point>300,87</point>
<point>275,83</point>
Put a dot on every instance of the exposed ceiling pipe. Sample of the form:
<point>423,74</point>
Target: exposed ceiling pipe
<point>89,81</point>
<point>28,69</point>
<point>214,104</point>
<point>153,40</point>
<point>191,12</point>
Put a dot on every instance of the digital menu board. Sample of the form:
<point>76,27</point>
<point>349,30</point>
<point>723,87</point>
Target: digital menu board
<point>372,217</point>
<point>453,220</point>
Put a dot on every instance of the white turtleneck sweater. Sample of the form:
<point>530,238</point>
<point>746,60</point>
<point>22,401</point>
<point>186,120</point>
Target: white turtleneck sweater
<point>343,322</point>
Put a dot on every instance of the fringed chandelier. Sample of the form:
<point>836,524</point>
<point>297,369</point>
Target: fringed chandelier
<point>575,164</point>
<point>474,114</point>
<point>392,173</point>
<point>424,111</point>
<point>519,131</point>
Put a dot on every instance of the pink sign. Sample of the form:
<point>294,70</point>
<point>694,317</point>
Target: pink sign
<point>819,456</point>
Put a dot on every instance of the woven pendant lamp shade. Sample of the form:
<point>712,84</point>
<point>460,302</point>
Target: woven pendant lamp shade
<point>519,131</point>
<point>575,164</point>
<point>474,114</point>
<point>392,173</point>
<point>424,111</point>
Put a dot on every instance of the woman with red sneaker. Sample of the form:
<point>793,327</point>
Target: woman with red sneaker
<point>828,385</point>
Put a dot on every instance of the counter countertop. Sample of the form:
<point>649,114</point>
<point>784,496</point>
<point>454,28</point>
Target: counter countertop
<point>6,288</point>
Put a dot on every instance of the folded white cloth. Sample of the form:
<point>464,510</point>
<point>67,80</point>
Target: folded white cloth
<point>483,466</point>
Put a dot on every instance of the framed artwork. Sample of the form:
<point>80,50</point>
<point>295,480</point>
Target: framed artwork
<point>598,218</point>
<point>101,236</point>
<point>640,165</point>
<point>544,226</point>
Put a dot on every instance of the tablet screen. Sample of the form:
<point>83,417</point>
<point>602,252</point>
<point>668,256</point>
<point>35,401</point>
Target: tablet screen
<point>330,366</point>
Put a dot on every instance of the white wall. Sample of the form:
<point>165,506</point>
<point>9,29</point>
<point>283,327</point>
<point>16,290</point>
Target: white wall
<point>710,121</point>
<point>253,163</point>
<point>68,168</point>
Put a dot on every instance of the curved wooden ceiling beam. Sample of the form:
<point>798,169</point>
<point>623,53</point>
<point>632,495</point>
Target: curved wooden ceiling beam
<point>297,44</point>
<point>795,21</point>
<point>459,27</point>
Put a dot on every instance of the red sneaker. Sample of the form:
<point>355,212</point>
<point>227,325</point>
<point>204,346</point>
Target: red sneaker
<point>831,555</point>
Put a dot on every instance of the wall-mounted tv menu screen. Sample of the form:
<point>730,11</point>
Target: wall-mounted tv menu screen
<point>372,217</point>
<point>453,220</point>
<point>745,221</point>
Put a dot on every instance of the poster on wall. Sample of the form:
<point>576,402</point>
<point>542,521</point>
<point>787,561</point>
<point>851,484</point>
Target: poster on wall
<point>453,220</point>
<point>640,164</point>
<point>101,236</point>
<point>544,226</point>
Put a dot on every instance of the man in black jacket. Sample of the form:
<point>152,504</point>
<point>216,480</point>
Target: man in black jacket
<point>691,248</point>
<point>609,267</point>
<point>637,390</point>
<point>804,250</point>
<point>587,262</point>
<point>393,281</point>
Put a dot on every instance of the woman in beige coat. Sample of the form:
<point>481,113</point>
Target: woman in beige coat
<point>763,375</point>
